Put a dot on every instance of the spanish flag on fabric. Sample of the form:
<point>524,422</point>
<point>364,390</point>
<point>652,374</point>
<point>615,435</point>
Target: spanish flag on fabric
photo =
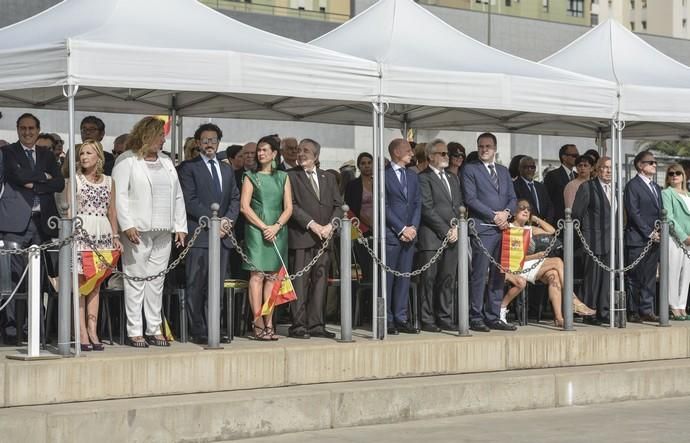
<point>167,120</point>
<point>514,248</point>
<point>283,292</point>
<point>94,271</point>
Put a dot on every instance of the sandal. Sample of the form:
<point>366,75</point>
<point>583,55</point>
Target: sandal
<point>259,334</point>
<point>137,342</point>
<point>157,340</point>
<point>677,317</point>
<point>582,309</point>
<point>271,333</point>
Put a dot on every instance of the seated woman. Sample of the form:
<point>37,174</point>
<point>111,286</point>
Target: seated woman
<point>549,271</point>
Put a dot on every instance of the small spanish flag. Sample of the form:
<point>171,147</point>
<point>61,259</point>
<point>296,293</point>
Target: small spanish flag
<point>514,248</point>
<point>283,292</point>
<point>94,271</point>
<point>167,120</point>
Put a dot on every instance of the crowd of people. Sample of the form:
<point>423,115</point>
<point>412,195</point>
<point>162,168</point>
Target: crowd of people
<point>278,203</point>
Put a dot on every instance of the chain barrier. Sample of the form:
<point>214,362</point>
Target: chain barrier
<point>679,243</point>
<point>500,267</point>
<point>362,241</point>
<point>602,265</point>
<point>271,276</point>
<point>16,288</point>
<point>50,245</point>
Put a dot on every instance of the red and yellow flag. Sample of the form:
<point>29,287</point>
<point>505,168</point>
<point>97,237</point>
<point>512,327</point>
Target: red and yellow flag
<point>94,271</point>
<point>167,123</point>
<point>514,248</point>
<point>283,292</point>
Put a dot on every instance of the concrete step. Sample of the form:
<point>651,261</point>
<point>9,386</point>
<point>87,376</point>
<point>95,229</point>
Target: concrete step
<point>261,412</point>
<point>125,372</point>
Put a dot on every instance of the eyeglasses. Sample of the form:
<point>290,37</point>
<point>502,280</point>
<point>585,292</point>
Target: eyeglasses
<point>530,166</point>
<point>209,141</point>
<point>523,207</point>
<point>649,162</point>
<point>572,155</point>
<point>442,153</point>
<point>45,146</point>
<point>675,173</point>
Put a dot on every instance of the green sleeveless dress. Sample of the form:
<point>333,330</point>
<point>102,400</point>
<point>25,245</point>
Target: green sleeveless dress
<point>267,203</point>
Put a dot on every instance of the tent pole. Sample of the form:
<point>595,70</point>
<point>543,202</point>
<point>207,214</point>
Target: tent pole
<point>383,309</point>
<point>612,232</point>
<point>174,143</point>
<point>72,158</point>
<point>376,227</point>
<point>540,156</point>
<point>621,262</point>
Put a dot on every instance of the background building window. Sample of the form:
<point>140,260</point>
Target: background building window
<point>644,25</point>
<point>576,8</point>
<point>595,19</point>
<point>545,5</point>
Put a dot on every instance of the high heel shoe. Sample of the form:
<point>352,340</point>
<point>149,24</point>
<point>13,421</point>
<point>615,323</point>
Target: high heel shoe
<point>96,345</point>
<point>86,347</point>
<point>558,323</point>
<point>582,309</point>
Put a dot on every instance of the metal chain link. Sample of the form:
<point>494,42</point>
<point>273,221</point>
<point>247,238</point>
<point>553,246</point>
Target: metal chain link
<point>45,246</point>
<point>602,265</point>
<point>362,241</point>
<point>679,243</point>
<point>272,276</point>
<point>86,239</point>
<point>500,267</point>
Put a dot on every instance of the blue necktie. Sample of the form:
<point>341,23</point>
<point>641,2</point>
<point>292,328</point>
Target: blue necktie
<point>403,180</point>
<point>30,155</point>
<point>216,181</point>
<point>534,195</point>
<point>494,176</point>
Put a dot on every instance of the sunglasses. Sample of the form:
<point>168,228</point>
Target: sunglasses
<point>442,154</point>
<point>572,155</point>
<point>649,162</point>
<point>523,207</point>
<point>45,146</point>
<point>530,166</point>
<point>675,173</point>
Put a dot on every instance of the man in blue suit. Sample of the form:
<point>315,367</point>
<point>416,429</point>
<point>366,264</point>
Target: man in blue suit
<point>403,214</point>
<point>490,197</point>
<point>206,180</point>
<point>643,204</point>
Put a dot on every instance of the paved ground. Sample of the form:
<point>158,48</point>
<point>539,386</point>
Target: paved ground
<point>647,421</point>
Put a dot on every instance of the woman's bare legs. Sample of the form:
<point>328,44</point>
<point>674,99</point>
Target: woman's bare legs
<point>518,284</point>
<point>256,285</point>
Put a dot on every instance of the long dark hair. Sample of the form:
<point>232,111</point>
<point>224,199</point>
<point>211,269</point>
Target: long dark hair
<point>271,141</point>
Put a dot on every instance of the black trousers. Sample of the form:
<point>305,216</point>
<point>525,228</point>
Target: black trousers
<point>596,290</point>
<point>196,270</point>
<point>641,280</point>
<point>307,310</point>
<point>437,288</point>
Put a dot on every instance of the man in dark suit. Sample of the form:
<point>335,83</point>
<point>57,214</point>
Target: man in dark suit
<point>490,197</point>
<point>643,204</point>
<point>206,180</point>
<point>441,201</point>
<point>526,187</point>
<point>592,207</point>
<point>556,180</point>
<point>32,178</point>
<point>315,201</point>
<point>403,215</point>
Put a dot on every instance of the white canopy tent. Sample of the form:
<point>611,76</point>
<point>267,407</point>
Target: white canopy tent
<point>653,100</point>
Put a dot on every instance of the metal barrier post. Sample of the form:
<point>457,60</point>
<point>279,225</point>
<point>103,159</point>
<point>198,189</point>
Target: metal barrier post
<point>65,288</point>
<point>345,278</point>
<point>568,258</point>
<point>663,270</point>
<point>213,317</point>
<point>463,276</point>
<point>182,299</point>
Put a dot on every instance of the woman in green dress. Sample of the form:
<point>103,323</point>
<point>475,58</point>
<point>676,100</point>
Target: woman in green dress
<point>266,203</point>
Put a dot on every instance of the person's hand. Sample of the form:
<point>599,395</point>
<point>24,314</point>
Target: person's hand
<point>29,185</point>
<point>180,238</point>
<point>535,219</point>
<point>687,241</point>
<point>326,231</point>
<point>452,235</point>
<point>48,176</point>
<point>225,227</point>
<point>270,232</point>
<point>655,236</point>
<point>317,229</point>
<point>408,234</point>
<point>501,218</point>
<point>117,244</point>
<point>133,235</point>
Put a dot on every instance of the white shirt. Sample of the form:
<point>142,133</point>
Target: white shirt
<point>569,171</point>
<point>216,164</point>
<point>442,176</point>
<point>313,175</point>
<point>488,169</point>
<point>648,182</point>
<point>37,205</point>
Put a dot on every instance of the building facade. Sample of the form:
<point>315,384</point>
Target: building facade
<point>657,17</point>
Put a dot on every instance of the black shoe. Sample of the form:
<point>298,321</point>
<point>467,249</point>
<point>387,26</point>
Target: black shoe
<point>393,331</point>
<point>502,326</point>
<point>633,317</point>
<point>448,326</point>
<point>406,328</point>
<point>649,317</point>
<point>199,340</point>
<point>431,328</point>
<point>479,326</point>
<point>591,321</point>
<point>322,333</point>
<point>299,334</point>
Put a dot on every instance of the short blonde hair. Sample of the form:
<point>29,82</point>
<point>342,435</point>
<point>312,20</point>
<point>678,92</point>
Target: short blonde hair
<point>99,152</point>
<point>144,133</point>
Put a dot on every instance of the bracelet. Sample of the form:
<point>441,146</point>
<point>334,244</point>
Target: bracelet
<point>116,236</point>
<point>280,225</point>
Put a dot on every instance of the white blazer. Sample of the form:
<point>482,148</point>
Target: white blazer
<point>133,194</point>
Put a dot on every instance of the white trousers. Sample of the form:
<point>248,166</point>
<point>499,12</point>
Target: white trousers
<point>149,257</point>
<point>678,276</point>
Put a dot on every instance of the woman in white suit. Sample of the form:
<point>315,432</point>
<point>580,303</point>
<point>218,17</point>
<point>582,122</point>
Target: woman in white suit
<point>150,207</point>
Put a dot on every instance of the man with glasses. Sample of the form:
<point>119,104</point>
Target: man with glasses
<point>526,187</point>
<point>441,201</point>
<point>643,204</point>
<point>206,180</point>
<point>557,179</point>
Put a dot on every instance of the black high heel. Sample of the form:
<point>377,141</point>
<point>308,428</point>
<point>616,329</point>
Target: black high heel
<point>86,347</point>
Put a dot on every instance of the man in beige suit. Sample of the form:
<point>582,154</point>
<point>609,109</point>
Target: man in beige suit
<point>316,200</point>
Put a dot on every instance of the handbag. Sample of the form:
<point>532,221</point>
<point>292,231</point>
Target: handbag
<point>542,241</point>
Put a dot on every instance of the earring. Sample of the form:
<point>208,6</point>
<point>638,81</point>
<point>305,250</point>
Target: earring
<point>273,164</point>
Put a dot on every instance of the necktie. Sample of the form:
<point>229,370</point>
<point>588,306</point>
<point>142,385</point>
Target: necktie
<point>571,175</point>
<point>403,180</point>
<point>30,155</point>
<point>216,180</point>
<point>444,179</point>
<point>314,184</point>
<point>493,175</point>
<point>651,186</point>
<point>534,195</point>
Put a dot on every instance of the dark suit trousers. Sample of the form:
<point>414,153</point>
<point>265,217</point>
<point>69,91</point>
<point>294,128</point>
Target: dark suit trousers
<point>31,236</point>
<point>596,289</point>
<point>641,280</point>
<point>196,270</point>
<point>399,257</point>
<point>307,311</point>
<point>489,311</point>
<point>437,286</point>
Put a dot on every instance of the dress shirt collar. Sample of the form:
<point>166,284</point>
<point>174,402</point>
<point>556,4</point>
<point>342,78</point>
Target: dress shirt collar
<point>568,170</point>
<point>528,182</point>
<point>32,149</point>
<point>206,159</point>
<point>645,179</point>
<point>436,171</point>
<point>312,171</point>
<point>603,183</point>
